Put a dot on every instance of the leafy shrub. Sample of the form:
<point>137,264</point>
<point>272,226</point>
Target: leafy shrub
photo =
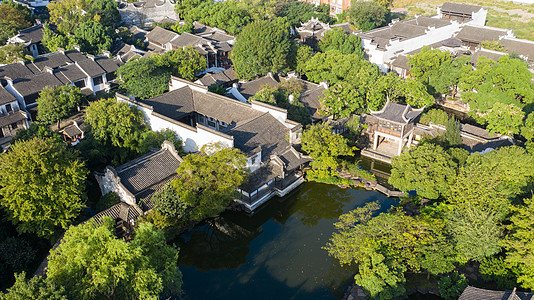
<point>452,285</point>
<point>107,201</point>
<point>435,116</point>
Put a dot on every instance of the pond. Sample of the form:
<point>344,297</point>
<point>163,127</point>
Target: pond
<point>275,253</point>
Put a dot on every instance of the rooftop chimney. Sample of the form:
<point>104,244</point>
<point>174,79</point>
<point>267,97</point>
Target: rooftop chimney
<point>48,69</point>
<point>106,53</point>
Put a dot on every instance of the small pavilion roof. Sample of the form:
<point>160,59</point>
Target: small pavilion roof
<point>398,113</point>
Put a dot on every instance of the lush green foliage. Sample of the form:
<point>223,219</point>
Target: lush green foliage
<point>452,285</point>
<point>93,37</point>
<point>386,246</point>
<point>92,263</point>
<point>262,47</point>
<point>207,184</point>
<point>226,15</point>
<point>337,39</point>
<point>149,77</point>
<point>116,123</point>
<point>56,103</point>
<point>176,27</point>
<point>504,118</point>
<point>69,15</point>
<point>13,53</point>
<point>367,15</point>
<point>37,288</point>
<point>36,129</point>
<point>436,116</point>
<point>42,185</point>
<point>286,95</point>
<point>428,169</point>
<point>107,201</point>
<point>167,202</point>
<point>297,12</point>
<point>14,18</point>
<point>396,89</point>
<point>325,148</point>
<point>342,99</point>
<point>16,254</point>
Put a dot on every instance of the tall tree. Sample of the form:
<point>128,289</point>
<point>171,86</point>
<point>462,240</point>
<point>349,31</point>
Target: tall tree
<point>93,37</point>
<point>116,123</point>
<point>56,103</point>
<point>337,39</point>
<point>144,78</point>
<point>42,185</point>
<point>325,148</point>
<point>185,63</point>
<point>342,99</point>
<point>262,47</point>
<point>427,169</point>
<point>367,15</point>
<point>37,288</point>
<point>14,18</point>
<point>520,243</point>
<point>207,184</point>
<point>12,53</point>
<point>504,118</point>
<point>93,264</point>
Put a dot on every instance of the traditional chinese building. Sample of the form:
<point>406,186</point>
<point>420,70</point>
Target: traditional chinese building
<point>395,123</point>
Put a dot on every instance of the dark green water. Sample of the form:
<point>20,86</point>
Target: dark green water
<point>274,254</point>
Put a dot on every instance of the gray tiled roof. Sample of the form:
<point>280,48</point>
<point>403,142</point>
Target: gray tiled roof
<point>223,77</point>
<point>51,60</point>
<point>72,130</point>
<point>35,84</point>
<point>311,100</point>
<point>186,39</point>
<point>223,108</point>
<point>33,34</point>
<point>5,96</point>
<point>148,170</point>
<point>521,47</point>
<point>292,159</point>
<point>201,28</point>
<point>12,118</point>
<point>107,64</point>
<point>395,112</point>
<point>264,131</point>
<point>473,293</point>
<point>260,177</point>
<point>15,70</point>
<point>72,72</point>
<point>480,34</point>
<point>160,35</point>
<point>249,89</point>
<point>217,36</point>
<point>90,67</point>
<point>459,8</point>
<point>174,104</point>
<point>75,55</point>
<point>489,54</point>
<point>121,211</point>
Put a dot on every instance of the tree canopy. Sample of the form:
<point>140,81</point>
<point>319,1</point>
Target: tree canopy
<point>207,184</point>
<point>149,77</point>
<point>367,15</point>
<point>262,47</point>
<point>337,39</point>
<point>12,53</point>
<point>56,103</point>
<point>14,18</point>
<point>92,263</point>
<point>116,123</point>
<point>42,185</point>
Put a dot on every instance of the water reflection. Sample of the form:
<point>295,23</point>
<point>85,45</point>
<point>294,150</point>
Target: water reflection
<point>275,253</point>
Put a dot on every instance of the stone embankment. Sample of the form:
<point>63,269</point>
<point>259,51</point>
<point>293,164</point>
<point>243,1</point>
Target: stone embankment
<point>354,292</point>
<point>369,184</point>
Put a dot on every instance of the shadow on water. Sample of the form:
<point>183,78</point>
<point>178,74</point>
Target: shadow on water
<point>275,253</point>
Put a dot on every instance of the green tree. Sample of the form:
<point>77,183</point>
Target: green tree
<point>504,118</point>
<point>325,148</point>
<point>56,103</point>
<point>36,129</point>
<point>341,100</point>
<point>143,78</point>
<point>452,133</point>
<point>52,41</point>
<point>493,45</point>
<point>208,184</point>
<point>337,39</point>
<point>452,285</point>
<point>262,47</point>
<point>384,247</point>
<point>527,131</point>
<point>92,263</point>
<point>300,12</point>
<point>93,37</point>
<point>116,123</point>
<point>367,15</point>
<point>476,232</point>
<point>304,53</point>
<point>436,116</point>
<point>14,18</point>
<point>167,202</point>
<point>508,81</point>
<point>427,169</point>
<point>12,53</point>
<point>42,185</point>
<point>520,243</point>
<point>217,89</point>
<point>154,139</point>
<point>69,15</point>
<point>37,288</point>
<point>185,63</point>
<point>16,254</point>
